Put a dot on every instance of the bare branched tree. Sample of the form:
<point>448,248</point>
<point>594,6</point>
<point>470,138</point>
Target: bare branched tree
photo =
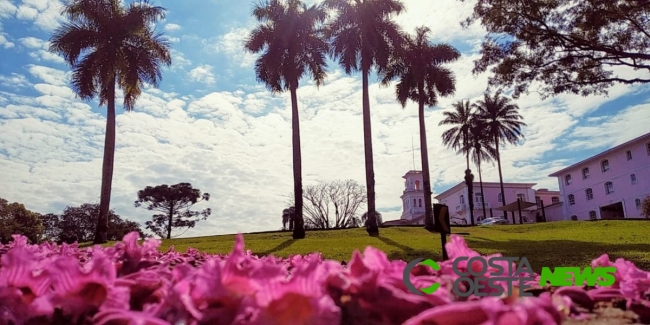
<point>332,205</point>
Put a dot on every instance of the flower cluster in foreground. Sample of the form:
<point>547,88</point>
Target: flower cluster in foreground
<point>137,284</point>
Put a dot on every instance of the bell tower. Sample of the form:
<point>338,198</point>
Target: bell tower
<point>413,195</point>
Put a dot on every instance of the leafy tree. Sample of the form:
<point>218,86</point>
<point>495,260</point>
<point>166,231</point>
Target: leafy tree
<point>502,122</point>
<point>16,219</point>
<point>293,45</point>
<point>422,78</point>
<point>459,138</point>
<point>175,202</point>
<point>569,46</point>
<point>363,36</point>
<point>332,205</point>
<point>108,44</point>
<point>79,224</point>
<point>645,207</point>
<point>51,227</point>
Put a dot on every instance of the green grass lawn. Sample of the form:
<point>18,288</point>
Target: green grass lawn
<point>568,243</point>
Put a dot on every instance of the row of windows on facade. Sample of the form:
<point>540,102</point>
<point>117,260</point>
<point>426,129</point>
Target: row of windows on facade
<point>478,198</point>
<point>592,213</point>
<point>609,189</point>
<point>604,166</point>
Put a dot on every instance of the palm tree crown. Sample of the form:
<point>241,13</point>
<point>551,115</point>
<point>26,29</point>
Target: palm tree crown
<point>501,118</point>
<point>458,136</point>
<point>292,43</point>
<point>108,43</point>
<point>417,63</point>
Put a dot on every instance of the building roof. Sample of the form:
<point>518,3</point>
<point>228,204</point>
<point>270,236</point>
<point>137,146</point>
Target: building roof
<point>485,184</point>
<point>399,222</point>
<point>600,155</point>
<point>412,172</point>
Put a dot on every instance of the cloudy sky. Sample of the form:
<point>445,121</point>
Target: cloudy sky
<point>212,124</point>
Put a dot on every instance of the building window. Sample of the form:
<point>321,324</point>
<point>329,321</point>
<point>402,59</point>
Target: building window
<point>604,165</point>
<point>589,194</point>
<point>420,203</point>
<point>647,148</point>
<point>574,217</point>
<point>633,178</point>
<point>478,197</point>
<point>538,200</point>
<point>609,188</point>
<point>417,185</point>
<point>521,197</point>
<point>567,179</point>
<point>555,199</point>
<point>628,154</point>
<point>462,199</point>
<point>585,173</point>
<point>415,203</point>
<point>571,199</point>
<point>592,215</point>
<point>637,204</point>
<point>500,197</point>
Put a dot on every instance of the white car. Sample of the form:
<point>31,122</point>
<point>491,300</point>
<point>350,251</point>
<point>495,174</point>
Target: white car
<point>493,221</point>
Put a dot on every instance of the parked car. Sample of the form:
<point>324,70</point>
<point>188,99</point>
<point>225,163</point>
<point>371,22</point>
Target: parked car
<point>493,221</point>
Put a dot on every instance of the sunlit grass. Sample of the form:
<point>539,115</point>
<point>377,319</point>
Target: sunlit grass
<point>568,243</point>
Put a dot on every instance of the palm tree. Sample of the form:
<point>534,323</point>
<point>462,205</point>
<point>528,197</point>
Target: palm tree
<point>459,138</point>
<point>422,79</point>
<point>363,36</point>
<point>503,124</point>
<point>482,150</point>
<point>291,40</point>
<point>110,45</point>
<point>365,221</point>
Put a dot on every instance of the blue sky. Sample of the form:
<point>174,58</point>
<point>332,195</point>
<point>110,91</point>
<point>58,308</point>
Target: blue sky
<point>211,124</point>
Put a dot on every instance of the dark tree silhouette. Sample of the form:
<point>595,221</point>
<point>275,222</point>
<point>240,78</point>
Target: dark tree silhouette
<point>459,138</point>
<point>288,215</point>
<point>363,36</point>
<point>364,218</point>
<point>79,224</point>
<point>175,202</point>
<point>16,219</point>
<point>502,122</point>
<point>292,45</point>
<point>482,150</point>
<point>422,78</point>
<point>109,45</point>
<point>569,46</point>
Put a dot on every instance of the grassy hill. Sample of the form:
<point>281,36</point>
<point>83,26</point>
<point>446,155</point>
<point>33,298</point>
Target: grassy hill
<point>568,243</point>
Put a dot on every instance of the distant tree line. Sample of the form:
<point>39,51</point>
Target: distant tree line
<point>75,224</point>
<point>79,224</point>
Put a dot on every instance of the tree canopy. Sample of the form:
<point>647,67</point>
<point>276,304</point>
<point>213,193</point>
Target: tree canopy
<point>174,202</point>
<point>569,46</point>
<point>16,219</point>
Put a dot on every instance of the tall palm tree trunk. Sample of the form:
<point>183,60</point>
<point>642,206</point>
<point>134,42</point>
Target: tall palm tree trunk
<point>480,181</point>
<point>372,228</point>
<point>299,223</point>
<point>107,168</point>
<point>424,153</point>
<point>470,190</point>
<point>503,192</point>
<point>170,219</point>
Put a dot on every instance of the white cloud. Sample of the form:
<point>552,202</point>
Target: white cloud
<point>45,13</point>
<point>232,44</point>
<point>7,9</point>
<point>4,42</point>
<point>202,73</point>
<point>14,80</point>
<point>40,50</point>
<point>172,27</point>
